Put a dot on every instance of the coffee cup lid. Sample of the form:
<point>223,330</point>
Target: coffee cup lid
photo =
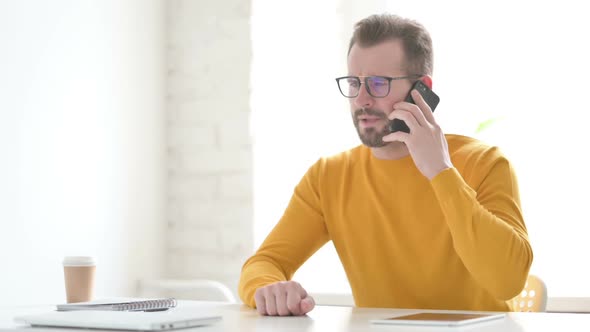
<point>78,261</point>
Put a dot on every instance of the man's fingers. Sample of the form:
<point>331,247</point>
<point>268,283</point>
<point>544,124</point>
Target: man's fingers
<point>293,302</point>
<point>413,109</point>
<point>406,116</point>
<point>281,302</point>
<point>271,304</point>
<point>260,302</point>
<point>307,304</point>
<point>283,299</point>
<point>398,136</point>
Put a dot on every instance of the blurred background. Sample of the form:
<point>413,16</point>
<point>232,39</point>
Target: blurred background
<point>165,137</point>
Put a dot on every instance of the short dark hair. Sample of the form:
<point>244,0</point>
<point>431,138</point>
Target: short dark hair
<point>415,39</point>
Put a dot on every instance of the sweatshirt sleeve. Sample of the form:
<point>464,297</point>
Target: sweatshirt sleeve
<point>487,226</point>
<point>300,232</point>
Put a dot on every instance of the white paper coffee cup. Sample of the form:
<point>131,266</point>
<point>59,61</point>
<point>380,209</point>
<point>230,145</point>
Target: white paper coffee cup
<point>79,273</point>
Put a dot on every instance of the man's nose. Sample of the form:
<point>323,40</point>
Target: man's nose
<point>363,99</point>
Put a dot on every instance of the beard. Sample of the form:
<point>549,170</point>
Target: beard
<point>371,137</point>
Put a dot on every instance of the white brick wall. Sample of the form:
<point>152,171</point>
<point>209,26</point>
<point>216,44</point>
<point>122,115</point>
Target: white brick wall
<point>209,200</point>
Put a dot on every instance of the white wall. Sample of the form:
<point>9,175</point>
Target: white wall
<point>209,198</point>
<point>81,143</point>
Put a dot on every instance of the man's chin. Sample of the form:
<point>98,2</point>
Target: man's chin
<point>373,142</point>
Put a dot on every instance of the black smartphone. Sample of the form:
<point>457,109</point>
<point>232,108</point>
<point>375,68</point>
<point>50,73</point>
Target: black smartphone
<point>429,96</point>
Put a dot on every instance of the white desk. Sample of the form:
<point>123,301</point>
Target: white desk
<point>238,317</point>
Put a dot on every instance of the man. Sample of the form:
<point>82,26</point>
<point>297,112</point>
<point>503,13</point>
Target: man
<point>419,219</point>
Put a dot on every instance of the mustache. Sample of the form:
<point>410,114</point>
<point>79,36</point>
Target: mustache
<point>369,111</point>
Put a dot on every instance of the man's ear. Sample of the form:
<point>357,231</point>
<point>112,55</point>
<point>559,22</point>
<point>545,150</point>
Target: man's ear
<point>427,80</point>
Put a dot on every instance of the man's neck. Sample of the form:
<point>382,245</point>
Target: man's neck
<point>392,151</point>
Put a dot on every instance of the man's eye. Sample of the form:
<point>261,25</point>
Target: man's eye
<point>379,83</point>
<point>353,83</point>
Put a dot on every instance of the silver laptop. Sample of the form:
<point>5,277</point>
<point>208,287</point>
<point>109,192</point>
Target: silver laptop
<point>122,320</point>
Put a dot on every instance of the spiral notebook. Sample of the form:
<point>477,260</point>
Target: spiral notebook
<point>121,305</point>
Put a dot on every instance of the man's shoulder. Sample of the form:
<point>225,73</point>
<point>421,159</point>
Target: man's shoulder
<point>467,145</point>
<point>469,151</point>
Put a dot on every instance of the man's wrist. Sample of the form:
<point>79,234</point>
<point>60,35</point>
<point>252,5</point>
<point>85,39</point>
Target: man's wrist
<point>438,171</point>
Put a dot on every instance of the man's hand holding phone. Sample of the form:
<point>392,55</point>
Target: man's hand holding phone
<point>285,298</point>
<point>431,98</point>
<point>425,140</point>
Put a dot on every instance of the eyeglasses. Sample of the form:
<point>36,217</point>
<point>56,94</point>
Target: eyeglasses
<point>377,86</point>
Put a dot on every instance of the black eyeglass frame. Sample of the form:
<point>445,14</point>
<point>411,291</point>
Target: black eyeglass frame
<point>365,80</point>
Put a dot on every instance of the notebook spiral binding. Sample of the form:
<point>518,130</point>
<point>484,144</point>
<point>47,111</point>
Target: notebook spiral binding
<point>146,305</point>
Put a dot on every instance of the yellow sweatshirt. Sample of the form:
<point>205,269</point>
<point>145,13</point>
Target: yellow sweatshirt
<point>456,242</point>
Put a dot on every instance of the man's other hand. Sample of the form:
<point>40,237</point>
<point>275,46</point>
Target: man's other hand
<point>284,298</point>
